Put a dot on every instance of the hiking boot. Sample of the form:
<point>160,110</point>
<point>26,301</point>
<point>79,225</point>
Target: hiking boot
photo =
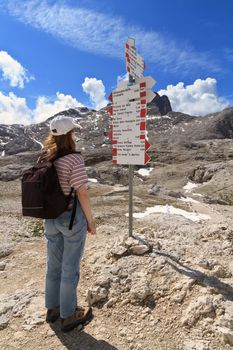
<point>53,314</point>
<point>79,317</point>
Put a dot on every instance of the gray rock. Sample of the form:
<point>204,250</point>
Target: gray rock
<point>210,200</point>
<point>96,294</point>
<point>6,305</point>
<point>2,266</point>
<point>22,298</point>
<point>200,308</point>
<point>221,272</point>
<point>174,194</point>
<point>226,320</point>
<point>4,320</point>
<point>140,288</point>
<point>14,304</point>
<point>111,302</point>
<point>103,280</point>
<point>6,249</point>
<point>35,313</point>
<point>179,297</point>
<point>155,189</point>
<point>157,263</point>
<point>140,249</point>
<point>226,335</point>
<point>119,251</point>
<point>130,246</point>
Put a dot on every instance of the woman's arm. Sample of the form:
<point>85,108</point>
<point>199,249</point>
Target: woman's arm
<point>84,200</point>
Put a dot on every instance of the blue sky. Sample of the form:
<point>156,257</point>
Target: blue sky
<point>48,49</point>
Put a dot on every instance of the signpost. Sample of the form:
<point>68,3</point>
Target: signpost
<point>134,62</point>
<point>128,116</point>
<point>129,124</point>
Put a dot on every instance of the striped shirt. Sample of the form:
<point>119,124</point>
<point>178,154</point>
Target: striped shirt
<point>71,172</point>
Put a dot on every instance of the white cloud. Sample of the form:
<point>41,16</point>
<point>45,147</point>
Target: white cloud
<point>124,77</point>
<point>13,71</point>
<point>96,90</point>
<point>200,98</point>
<point>46,107</point>
<point>104,34</point>
<point>14,110</point>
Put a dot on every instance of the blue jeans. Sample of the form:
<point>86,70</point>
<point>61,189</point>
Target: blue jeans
<point>64,252</point>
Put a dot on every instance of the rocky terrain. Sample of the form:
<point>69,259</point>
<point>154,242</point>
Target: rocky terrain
<point>170,286</point>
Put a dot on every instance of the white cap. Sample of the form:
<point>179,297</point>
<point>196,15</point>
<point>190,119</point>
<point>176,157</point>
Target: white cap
<point>62,124</point>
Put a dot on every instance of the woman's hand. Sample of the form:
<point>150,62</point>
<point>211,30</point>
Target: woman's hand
<point>91,228</point>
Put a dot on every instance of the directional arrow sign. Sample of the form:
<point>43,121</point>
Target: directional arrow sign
<point>128,112</point>
<point>148,83</point>
<point>135,64</point>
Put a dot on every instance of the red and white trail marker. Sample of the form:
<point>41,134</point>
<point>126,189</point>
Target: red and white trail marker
<point>128,112</point>
<point>135,64</point>
<point>128,132</point>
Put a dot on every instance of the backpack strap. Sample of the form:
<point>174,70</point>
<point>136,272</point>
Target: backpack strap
<point>73,213</point>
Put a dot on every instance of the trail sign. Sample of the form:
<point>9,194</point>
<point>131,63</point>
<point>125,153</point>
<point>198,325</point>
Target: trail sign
<point>128,133</point>
<point>148,84</point>
<point>135,64</point>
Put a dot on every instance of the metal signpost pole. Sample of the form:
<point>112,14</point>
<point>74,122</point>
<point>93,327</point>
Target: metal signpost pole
<point>130,200</point>
<point>131,81</point>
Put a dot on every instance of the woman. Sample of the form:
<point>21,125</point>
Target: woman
<point>64,246</point>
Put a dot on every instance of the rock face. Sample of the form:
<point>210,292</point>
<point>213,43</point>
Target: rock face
<point>159,105</point>
<point>182,129</point>
<point>225,124</point>
<point>13,305</point>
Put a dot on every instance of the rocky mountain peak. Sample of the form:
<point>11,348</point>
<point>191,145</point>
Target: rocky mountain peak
<point>159,105</point>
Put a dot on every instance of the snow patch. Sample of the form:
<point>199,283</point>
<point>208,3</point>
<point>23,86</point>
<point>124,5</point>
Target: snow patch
<point>158,117</point>
<point>41,144</point>
<point>170,210</point>
<point>190,186</point>
<point>144,171</point>
<point>92,180</point>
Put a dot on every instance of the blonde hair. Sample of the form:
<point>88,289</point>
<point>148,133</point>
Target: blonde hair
<point>53,145</point>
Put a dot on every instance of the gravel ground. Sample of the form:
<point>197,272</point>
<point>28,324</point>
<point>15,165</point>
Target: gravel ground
<point>177,295</point>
